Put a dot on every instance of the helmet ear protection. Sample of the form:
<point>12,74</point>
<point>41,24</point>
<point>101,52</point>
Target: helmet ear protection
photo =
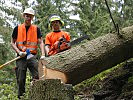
<point>53,18</point>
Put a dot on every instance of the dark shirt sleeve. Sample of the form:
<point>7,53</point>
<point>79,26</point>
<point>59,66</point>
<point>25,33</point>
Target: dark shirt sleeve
<point>39,34</point>
<point>15,33</point>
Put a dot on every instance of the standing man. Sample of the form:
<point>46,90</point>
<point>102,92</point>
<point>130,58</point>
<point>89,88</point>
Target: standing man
<point>26,37</point>
<point>57,40</point>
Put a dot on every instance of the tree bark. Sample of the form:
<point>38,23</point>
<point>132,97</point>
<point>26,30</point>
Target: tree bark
<point>88,59</point>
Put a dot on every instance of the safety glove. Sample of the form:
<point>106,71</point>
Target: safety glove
<point>29,55</point>
<point>22,54</point>
<point>62,39</point>
<point>42,57</point>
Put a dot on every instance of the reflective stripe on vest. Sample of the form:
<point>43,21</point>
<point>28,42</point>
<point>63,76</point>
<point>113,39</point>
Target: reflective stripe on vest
<point>31,49</point>
<point>27,40</point>
<point>27,43</point>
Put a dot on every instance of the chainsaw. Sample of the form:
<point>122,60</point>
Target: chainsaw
<point>62,44</point>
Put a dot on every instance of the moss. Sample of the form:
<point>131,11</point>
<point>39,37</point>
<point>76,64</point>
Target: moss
<point>96,82</point>
<point>130,79</point>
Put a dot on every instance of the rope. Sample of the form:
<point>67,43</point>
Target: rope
<point>115,25</point>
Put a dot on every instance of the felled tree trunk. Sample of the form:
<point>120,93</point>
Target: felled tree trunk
<point>88,59</point>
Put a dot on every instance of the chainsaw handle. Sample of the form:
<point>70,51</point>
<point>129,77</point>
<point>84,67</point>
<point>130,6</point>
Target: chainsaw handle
<point>10,62</point>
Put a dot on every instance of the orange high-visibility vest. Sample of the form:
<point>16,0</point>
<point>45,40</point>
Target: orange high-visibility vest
<point>27,40</point>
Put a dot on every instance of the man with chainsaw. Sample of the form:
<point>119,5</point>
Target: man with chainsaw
<point>57,40</point>
<point>25,40</point>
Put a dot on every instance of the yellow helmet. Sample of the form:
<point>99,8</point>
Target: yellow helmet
<point>53,18</point>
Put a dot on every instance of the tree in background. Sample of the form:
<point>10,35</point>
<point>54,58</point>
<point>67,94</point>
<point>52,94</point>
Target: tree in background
<point>94,17</point>
<point>127,12</point>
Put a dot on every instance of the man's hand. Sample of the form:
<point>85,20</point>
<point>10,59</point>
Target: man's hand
<point>62,39</point>
<point>22,54</point>
<point>42,57</point>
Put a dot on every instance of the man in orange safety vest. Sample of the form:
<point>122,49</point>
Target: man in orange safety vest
<point>25,37</point>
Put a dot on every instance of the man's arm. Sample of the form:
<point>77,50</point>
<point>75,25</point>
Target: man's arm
<point>14,38</point>
<point>47,44</point>
<point>40,41</point>
<point>13,44</point>
<point>47,49</point>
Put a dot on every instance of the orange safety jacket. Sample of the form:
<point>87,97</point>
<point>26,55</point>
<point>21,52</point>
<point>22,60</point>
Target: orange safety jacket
<point>56,45</point>
<point>27,40</point>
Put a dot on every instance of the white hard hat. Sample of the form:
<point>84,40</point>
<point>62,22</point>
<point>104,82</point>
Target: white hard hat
<point>29,11</point>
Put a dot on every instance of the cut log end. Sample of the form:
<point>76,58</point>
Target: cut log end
<point>53,74</point>
<point>46,73</point>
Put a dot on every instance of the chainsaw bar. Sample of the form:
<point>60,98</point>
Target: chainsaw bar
<point>78,40</point>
